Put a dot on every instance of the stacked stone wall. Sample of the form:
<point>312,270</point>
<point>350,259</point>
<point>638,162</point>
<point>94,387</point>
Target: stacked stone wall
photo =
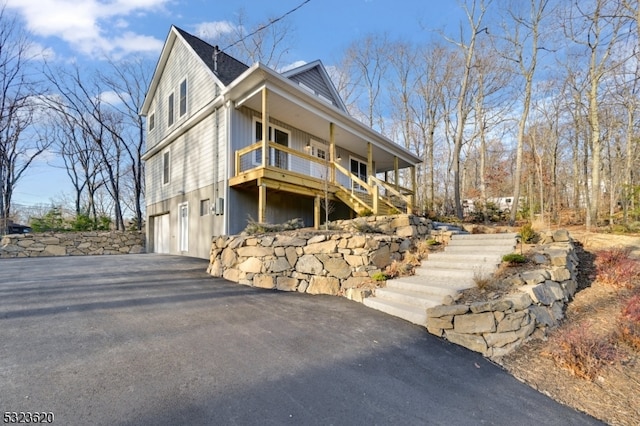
<point>71,244</point>
<point>497,327</point>
<point>317,262</point>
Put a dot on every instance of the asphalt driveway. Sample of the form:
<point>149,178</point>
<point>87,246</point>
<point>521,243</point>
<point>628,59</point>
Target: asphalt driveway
<point>152,339</point>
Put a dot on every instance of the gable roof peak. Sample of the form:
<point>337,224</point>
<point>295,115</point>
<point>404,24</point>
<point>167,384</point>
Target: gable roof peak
<point>224,66</point>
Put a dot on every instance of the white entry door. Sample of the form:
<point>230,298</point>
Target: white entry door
<point>161,233</point>
<point>183,211</point>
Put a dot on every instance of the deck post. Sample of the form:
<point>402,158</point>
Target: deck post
<point>332,151</point>
<point>316,212</point>
<point>376,199</point>
<point>265,127</point>
<point>262,201</point>
<point>412,197</point>
<point>396,175</point>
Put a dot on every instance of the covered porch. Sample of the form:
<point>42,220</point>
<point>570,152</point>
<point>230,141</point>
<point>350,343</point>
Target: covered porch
<point>338,159</point>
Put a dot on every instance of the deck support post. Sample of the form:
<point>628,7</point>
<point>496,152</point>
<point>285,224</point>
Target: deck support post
<point>262,201</point>
<point>332,151</point>
<point>265,127</point>
<point>316,212</point>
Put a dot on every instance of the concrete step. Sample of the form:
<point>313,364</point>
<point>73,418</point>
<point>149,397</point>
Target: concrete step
<point>460,264</point>
<point>479,249</point>
<point>407,312</point>
<point>461,256</point>
<point>485,242</point>
<point>502,236</point>
<point>415,298</point>
<point>440,286</point>
<point>444,273</point>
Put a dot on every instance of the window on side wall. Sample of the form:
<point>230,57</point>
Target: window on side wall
<point>152,121</point>
<point>170,116</point>
<point>204,207</point>
<point>183,97</point>
<point>165,167</point>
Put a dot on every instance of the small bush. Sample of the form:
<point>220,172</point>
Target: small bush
<point>514,259</point>
<point>365,227</point>
<point>528,235</point>
<point>379,276</point>
<point>365,213</point>
<point>629,323</point>
<point>254,227</point>
<point>581,352</point>
<point>481,279</point>
<point>615,268</point>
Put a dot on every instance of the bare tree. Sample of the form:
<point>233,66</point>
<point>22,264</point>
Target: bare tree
<point>19,105</point>
<point>595,27</point>
<point>267,41</point>
<point>475,13</point>
<point>129,81</point>
<point>83,103</point>
<point>524,45</point>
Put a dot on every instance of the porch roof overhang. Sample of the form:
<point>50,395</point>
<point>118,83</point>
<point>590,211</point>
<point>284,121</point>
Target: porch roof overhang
<point>291,104</point>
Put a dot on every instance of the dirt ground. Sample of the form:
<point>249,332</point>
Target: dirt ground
<point>614,395</point>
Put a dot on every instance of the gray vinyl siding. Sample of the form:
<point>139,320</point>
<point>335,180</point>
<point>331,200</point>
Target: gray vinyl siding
<point>313,79</point>
<point>182,64</point>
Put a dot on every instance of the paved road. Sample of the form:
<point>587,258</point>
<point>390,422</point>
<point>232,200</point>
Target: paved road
<point>151,339</point>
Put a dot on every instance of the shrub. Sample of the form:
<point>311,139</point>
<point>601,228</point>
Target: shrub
<point>514,259</point>
<point>615,268</point>
<point>379,276</point>
<point>254,227</point>
<point>365,227</point>
<point>481,279</point>
<point>528,235</point>
<point>629,322</point>
<point>581,352</point>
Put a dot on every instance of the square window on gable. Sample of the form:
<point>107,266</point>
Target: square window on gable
<point>183,98</point>
<point>170,110</point>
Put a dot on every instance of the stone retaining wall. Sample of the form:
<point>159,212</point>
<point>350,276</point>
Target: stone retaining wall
<point>71,244</point>
<point>316,262</point>
<point>497,327</point>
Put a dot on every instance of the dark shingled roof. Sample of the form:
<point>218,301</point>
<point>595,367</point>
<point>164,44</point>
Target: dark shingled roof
<point>229,68</point>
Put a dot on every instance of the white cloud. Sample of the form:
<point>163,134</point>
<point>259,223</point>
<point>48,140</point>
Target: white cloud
<point>216,29</point>
<point>87,25</point>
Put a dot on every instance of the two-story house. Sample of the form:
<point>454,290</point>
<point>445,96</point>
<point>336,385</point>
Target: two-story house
<point>227,142</point>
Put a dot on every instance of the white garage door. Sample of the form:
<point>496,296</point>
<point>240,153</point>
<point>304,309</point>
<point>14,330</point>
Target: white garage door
<point>161,233</point>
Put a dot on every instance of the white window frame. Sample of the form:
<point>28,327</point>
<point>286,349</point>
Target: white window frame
<point>171,109</point>
<point>166,167</point>
<point>151,124</point>
<point>354,185</point>
<point>180,98</point>
<point>316,169</point>
<point>258,161</point>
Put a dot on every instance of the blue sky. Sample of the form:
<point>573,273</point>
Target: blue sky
<point>87,30</point>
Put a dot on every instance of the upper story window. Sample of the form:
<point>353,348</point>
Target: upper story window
<point>170,115</point>
<point>165,167</point>
<point>183,98</point>
<point>152,121</point>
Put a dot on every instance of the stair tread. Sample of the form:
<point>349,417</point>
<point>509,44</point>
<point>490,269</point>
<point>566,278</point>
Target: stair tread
<point>432,282</point>
<point>421,298</point>
<point>401,310</point>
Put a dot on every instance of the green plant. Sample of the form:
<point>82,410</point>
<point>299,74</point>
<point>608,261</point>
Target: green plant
<point>51,221</point>
<point>379,276</point>
<point>514,258</point>
<point>528,235</point>
<point>365,213</point>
